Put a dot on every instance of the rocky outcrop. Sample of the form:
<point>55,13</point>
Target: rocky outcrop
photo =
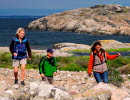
<point>67,86</point>
<point>71,46</point>
<point>113,44</point>
<point>106,44</point>
<point>96,20</point>
<point>57,53</point>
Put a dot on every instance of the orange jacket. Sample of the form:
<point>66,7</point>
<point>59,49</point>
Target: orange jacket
<point>91,60</point>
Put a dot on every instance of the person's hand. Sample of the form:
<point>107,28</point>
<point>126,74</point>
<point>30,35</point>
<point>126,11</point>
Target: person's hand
<point>118,54</point>
<point>42,75</point>
<point>90,75</point>
<point>15,54</point>
<point>29,59</point>
<point>55,73</point>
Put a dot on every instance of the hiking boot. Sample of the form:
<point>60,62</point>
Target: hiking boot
<point>22,83</point>
<point>16,81</point>
<point>43,79</point>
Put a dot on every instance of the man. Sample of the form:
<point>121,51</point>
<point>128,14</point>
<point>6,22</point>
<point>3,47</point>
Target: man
<point>47,67</point>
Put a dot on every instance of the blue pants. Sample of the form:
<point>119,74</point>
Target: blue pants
<point>101,76</point>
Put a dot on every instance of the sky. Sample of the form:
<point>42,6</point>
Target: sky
<point>56,4</point>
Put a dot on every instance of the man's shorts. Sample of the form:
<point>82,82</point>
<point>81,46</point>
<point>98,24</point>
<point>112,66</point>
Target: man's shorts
<point>17,62</point>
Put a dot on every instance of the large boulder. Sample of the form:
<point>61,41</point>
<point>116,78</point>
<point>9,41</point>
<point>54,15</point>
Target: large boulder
<point>45,90</point>
<point>61,53</point>
<point>104,91</point>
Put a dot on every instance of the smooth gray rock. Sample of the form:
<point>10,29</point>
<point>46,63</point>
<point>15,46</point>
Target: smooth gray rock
<point>128,98</point>
<point>71,46</point>
<point>4,98</point>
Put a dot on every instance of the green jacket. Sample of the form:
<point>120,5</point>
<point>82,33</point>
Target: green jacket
<point>47,66</point>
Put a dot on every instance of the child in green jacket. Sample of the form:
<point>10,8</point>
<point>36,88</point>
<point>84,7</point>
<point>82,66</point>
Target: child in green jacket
<point>47,67</point>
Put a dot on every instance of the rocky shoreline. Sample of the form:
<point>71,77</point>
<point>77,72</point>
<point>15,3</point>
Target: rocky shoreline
<point>62,49</point>
<point>97,20</point>
<point>106,44</point>
<point>67,86</point>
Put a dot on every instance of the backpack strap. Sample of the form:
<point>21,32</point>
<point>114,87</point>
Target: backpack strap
<point>45,58</point>
<point>105,56</point>
<point>43,63</point>
<point>93,57</point>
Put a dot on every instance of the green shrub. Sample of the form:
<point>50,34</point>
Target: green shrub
<point>114,77</point>
<point>5,60</point>
<point>65,60</point>
<point>83,62</point>
<point>118,62</point>
<point>118,50</point>
<point>34,63</point>
<point>124,69</point>
<point>72,63</point>
<point>71,67</point>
